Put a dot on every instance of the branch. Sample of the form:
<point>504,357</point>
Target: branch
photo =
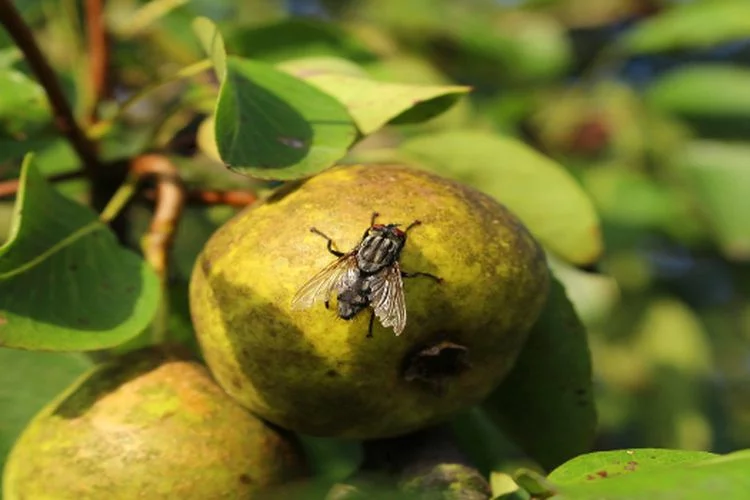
<point>10,187</point>
<point>237,199</point>
<point>426,464</point>
<point>98,54</point>
<point>64,119</point>
<point>170,200</point>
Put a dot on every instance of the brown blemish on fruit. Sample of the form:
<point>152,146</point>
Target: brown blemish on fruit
<point>435,363</point>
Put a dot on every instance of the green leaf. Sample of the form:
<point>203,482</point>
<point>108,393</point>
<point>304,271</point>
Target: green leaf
<point>546,197</point>
<point>373,104</point>
<point>28,382</point>
<point>212,43</point>
<point>546,403</point>
<point>608,464</point>
<point>294,38</point>
<point>65,283</point>
<point>685,91</point>
<point>692,25</point>
<point>320,65</point>
<point>272,125</point>
<point>23,104</point>
<point>719,176</point>
<point>593,295</point>
<point>722,477</point>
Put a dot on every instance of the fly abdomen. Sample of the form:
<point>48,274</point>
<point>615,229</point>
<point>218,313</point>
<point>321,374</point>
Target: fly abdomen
<point>352,300</point>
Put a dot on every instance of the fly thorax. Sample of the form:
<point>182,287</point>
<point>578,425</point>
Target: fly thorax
<point>376,252</point>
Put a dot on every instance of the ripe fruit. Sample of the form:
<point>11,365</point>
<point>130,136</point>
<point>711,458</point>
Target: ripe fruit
<point>148,425</point>
<point>317,374</point>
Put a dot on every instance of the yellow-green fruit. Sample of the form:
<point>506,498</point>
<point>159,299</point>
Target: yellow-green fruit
<point>317,374</point>
<point>150,425</point>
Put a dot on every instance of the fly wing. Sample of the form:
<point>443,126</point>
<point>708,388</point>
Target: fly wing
<point>332,277</point>
<point>387,298</point>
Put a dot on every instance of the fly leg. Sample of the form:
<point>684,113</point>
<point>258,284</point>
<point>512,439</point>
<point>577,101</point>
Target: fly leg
<point>438,279</point>
<point>329,240</point>
<point>372,321</point>
<point>412,225</point>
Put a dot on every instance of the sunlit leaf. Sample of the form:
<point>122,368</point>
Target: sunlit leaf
<point>546,198</point>
<point>65,283</point>
<point>271,125</point>
<point>23,104</point>
<point>321,65</point>
<point>608,464</point>
<point>691,25</point>
<point>28,382</point>
<point>720,178</point>
<point>546,403</point>
<point>373,104</point>
<point>722,477</point>
<point>593,295</point>
<point>213,44</point>
<point>685,91</point>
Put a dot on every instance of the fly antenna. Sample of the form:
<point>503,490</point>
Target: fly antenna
<point>374,217</point>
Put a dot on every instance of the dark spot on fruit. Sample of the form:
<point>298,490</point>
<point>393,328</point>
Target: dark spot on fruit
<point>332,373</point>
<point>602,473</point>
<point>631,466</point>
<point>435,363</point>
<point>245,479</point>
<point>590,477</point>
<point>236,383</point>
<point>206,266</point>
<point>73,267</point>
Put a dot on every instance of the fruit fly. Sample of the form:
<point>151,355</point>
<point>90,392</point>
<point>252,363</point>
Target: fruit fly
<point>368,275</point>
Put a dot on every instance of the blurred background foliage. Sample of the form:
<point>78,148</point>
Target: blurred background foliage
<point>645,102</point>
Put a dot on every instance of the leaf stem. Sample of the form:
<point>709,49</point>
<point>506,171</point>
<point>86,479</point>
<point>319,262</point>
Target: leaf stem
<point>63,114</point>
<point>157,242</point>
<point>10,187</point>
<point>120,199</point>
<point>209,197</point>
<point>98,54</point>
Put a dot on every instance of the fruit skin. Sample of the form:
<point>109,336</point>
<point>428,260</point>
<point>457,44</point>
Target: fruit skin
<point>317,374</point>
<point>150,425</point>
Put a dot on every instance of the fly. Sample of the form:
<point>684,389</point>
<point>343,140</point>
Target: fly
<point>367,276</point>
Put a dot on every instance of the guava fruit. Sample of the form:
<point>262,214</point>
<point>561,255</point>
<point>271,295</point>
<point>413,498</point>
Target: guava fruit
<point>148,425</point>
<point>317,374</point>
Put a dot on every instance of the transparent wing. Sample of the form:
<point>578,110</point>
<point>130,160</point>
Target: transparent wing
<point>330,278</point>
<point>387,298</point>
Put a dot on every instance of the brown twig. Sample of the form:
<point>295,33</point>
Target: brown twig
<point>63,114</point>
<point>10,187</point>
<point>98,54</point>
<point>237,199</point>
<point>170,200</point>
